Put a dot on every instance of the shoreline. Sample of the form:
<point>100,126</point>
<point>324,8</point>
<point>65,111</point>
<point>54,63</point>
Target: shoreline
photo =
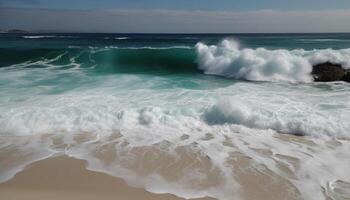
<point>67,178</point>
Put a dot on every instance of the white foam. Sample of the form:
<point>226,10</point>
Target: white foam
<point>248,115</point>
<point>283,117</point>
<point>227,59</point>
<point>48,36</point>
<point>121,38</point>
<point>39,36</point>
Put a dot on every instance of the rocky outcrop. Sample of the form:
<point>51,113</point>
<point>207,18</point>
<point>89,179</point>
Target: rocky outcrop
<point>346,78</point>
<point>327,72</point>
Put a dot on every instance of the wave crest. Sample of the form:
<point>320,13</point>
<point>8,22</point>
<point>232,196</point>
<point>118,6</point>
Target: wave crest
<point>261,64</point>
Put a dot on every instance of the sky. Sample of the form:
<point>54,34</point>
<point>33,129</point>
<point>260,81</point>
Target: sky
<point>176,16</point>
<point>222,5</point>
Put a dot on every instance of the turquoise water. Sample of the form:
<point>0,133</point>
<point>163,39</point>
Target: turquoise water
<point>245,90</point>
<point>68,57</point>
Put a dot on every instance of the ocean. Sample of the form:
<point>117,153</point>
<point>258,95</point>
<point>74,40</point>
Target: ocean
<point>193,115</point>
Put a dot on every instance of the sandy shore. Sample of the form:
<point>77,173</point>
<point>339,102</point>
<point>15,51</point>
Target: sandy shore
<point>66,178</point>
<point>62,177</point>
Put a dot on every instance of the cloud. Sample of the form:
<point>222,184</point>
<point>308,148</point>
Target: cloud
<point>171,21</point>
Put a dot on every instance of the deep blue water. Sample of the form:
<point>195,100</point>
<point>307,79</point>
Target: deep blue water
<point>270,41</point>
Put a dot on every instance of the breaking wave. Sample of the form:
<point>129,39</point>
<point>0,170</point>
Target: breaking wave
<point>227,59</point>
<point>224,59</point>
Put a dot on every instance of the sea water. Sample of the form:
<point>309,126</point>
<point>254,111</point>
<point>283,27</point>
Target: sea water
<point>191,115</point>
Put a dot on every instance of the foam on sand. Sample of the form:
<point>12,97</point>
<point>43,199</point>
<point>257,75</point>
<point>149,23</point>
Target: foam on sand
<point>216,128</point>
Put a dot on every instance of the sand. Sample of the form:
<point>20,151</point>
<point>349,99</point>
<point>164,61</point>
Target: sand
<point>66,178</point>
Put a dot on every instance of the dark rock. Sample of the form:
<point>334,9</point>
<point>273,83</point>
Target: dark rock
<point>327,72</point>
<point>346,78</point>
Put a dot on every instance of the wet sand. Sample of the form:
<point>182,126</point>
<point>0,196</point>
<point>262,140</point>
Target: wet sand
<point>66,178</point>
<point>63,177</point>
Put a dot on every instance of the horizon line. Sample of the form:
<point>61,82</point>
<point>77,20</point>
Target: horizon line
<point>164,33</point>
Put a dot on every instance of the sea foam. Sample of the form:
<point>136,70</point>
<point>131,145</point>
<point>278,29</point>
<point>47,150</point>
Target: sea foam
<point>48,36</point>
<point>227,59</point>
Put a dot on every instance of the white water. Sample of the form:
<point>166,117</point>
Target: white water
<point>47,36</point>
<point>227,59</point>
<point>121,38</point>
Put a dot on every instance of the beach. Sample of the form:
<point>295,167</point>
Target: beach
<point>66,178</point>
<point>63,177</point>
